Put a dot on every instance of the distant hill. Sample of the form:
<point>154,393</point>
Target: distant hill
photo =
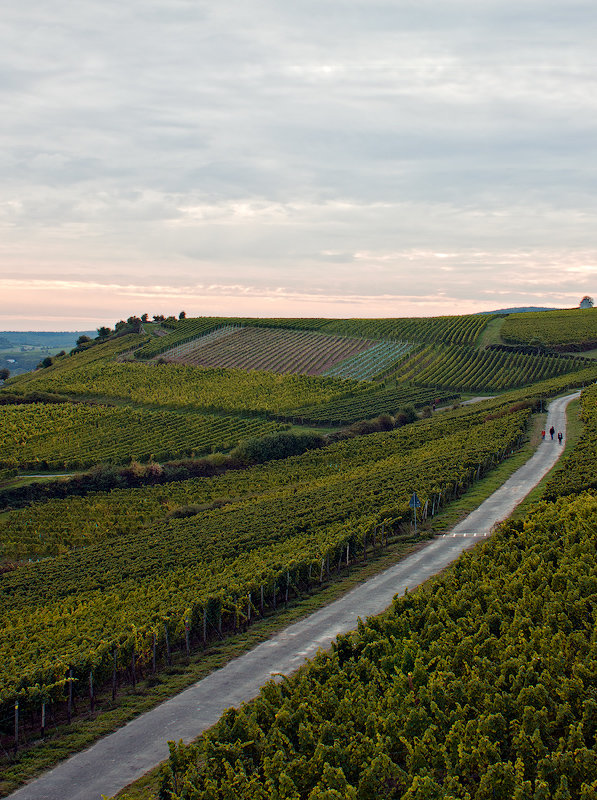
<point>60,339</point>
<point>518,310</point>
<point>21,351</point>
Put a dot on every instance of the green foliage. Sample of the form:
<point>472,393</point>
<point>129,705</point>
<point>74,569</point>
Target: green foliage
<point>450,330</point>
<point>467,370</point>
<point>207,389</point>
<point>573,329</point>
<point>110,511</point>
<point>259,449</point>
<point>75,436</point>
<point>72,609</point>
<point>367,404</point>
<point>480,686</point>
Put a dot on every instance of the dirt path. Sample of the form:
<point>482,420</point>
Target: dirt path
<point>123,756</point>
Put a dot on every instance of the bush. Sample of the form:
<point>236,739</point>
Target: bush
<point>259,449</point>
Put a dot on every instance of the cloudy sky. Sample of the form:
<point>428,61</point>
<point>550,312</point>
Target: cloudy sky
<point>306,158</point>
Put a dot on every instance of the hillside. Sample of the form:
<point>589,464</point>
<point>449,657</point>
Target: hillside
<point>207,505</point>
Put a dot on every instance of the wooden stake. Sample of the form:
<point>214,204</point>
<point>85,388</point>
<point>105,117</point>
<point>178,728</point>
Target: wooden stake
<point>114,676</point>
<point>168,654</point>
<point>153,654</point>
<point>70,695</point>
<point>16,725</point>
<point>91,696</point>
<point>43,718</point>
<point>133,673</point>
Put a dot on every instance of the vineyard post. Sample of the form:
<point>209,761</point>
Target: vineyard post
<point>235,614</point>
<point>153,653</point>
<point>91,696</point>
<point>168,654</point>
<point>249,609</point>
<point>133,673</point>
<point>261,600</point>
<point>205,625</point>
<point>43,718</point>
<point>374,537</point>
<point>186,637</point>
<point>347,555</point>
<point>69,707</point>
<point>16,747</point>
<point>365,547</point>
<point>286,592</point>
<point>327,563</point>
<point>274,595</point>
<point>114,675</point>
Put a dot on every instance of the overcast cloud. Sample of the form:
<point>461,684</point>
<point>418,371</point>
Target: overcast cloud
<point>346,158</point>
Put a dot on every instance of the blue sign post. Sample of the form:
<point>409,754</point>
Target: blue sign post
<point>415,503</point>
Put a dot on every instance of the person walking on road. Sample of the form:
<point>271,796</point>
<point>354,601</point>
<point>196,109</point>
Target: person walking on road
<point>552,430</point>
<point>560,436</point>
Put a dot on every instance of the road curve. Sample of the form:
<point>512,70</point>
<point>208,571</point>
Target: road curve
<point>125,755</point>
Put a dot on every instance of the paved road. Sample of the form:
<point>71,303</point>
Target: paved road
<point>130,752</point>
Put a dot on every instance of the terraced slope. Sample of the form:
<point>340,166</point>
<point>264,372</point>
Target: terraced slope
<point>280,351</point>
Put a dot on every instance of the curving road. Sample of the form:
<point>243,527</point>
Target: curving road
<point>130,752</point>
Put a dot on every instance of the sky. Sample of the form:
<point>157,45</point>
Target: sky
<point>345,158</point>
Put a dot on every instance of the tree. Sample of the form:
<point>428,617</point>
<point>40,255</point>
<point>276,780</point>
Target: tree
<point>145,317</point>
<point>182,315</point>
<point>103,332</point>
<point>4,373</point>
<point>587,302</point>
<point>83,339</point>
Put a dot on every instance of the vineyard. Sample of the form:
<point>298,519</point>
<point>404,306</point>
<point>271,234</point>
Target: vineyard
<point>368,404</point>
<point>181,386</point>
<point>573,329</point>
<point>75,436</point>
<point>376,361</point>
<point>451,330</point>
<point>279,351</point>
<point>56,526</point>
<point>480,686</point>
<point>467,370</point>
<point>183,331</point>
<point>487,672</point>
<point>72,611</point>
